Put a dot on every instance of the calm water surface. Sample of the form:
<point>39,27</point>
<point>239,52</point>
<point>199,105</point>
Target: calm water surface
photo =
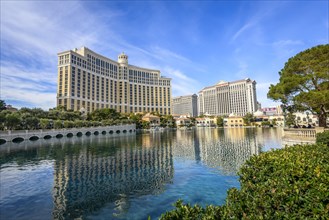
<point>129,177</point>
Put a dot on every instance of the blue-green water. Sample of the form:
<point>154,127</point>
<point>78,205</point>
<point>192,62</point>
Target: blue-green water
<point>129,177</point>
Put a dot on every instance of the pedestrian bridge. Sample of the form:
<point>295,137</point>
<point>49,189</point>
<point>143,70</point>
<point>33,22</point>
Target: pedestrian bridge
<point>21,135</point>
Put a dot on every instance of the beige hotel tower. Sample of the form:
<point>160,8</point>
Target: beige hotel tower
<point>91,81</point>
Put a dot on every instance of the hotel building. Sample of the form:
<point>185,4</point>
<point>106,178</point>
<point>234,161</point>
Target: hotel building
<point>184,105</point>
<point>91,81</point>
<point>224,98</point>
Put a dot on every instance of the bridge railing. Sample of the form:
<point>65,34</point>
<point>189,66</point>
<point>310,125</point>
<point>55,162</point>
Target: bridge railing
<point>27,134</point>
<point>302,132</point>
<point>99,128</point>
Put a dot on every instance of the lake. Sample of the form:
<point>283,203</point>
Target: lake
<point>128,177</point>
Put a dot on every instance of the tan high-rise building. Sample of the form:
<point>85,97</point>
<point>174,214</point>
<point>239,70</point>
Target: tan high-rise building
<point>238,97</point>
<point>185,105</point>
<point>91,81</point>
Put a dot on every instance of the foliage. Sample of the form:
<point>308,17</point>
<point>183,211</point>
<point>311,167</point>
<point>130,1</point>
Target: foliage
<point>2,105</point>
<point>323,138</point>
<point>290,119</point>
<point>266,123</point>
<point>103,114</point>
<point>58,118</point>
<point>248,119</point>
<point>220,121</point>
<point>68,124</point>
<point>167,121</point>
<point>274,122</point>
<point>304,82</point>
<point>32,123</point>
<point>58,124</point>
<point>12,121</point>
<point>145,124</point>
<point>289,183</point>
<point>44,123</point>
<point>192,212</point>
<point>137,119</point>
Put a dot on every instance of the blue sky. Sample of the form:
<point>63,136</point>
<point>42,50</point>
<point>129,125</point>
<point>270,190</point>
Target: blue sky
<point>196,43</point>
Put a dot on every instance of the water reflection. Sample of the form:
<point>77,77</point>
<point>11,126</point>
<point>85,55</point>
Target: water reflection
<point>223,149</point>
<point>84,182</point>
<point>90,174</point>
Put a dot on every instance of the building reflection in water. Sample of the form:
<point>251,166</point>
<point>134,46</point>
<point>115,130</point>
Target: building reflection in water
<point>223,149</point>
<point>86,181</point>
<point>92,173</point>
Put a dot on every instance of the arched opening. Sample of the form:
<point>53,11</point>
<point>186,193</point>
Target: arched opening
<point>18,140</point>
<point>111,132</point>
<point>96,133</point>
<point>34,138</point>
<point>124,131</point>
<point>59,136</point>
<point>88,133</point>
<point>103,132</point>
<point>118,131</point>
<point>79,134</point>
<point>69,135</point>
<point>2,141</point>
<point>130,131</point>
<point>47,137</point>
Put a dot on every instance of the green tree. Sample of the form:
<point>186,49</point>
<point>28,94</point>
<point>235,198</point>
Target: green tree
<point>304,82</point>
<point>137,119</point>
<point>32,122</point>
<point>44,123</point>
<point>266,123</point>
<point>103,114</point>
<point>12,121</point>
<point>2,105</point>
<point>274,122</point>
<point>58,124</point>
<point>220,121</point>
<point>248,118</point>
<point>290,119</point>
<point>145,125</point>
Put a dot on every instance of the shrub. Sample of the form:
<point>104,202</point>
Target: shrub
<point>192,212</point>
<point>289,183</point>
<point>323,138</point>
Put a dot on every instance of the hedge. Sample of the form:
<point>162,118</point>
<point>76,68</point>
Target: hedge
<point>323,138</point>
<point>289,183</point>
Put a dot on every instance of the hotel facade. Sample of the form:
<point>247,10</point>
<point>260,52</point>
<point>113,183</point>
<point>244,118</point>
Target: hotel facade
<point>87,80</point>
<point>185,105</point>
<point>238,97</point>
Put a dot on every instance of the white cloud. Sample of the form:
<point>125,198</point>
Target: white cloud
<point>164,54</point>
<point>181,83</point>
<point>284,43</point>
<point>34,98</point>
<point>243,29</point>
<point>262,90</point>
<point>32,33</point>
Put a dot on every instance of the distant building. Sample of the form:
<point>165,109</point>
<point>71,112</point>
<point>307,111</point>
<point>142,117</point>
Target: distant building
<point>91,81</point>
<point>153,119</point>
<point>184,105</point>
<point>233,121</point>
<point>183,121</point>
<point>224,98</point>
<point>270,111</point>
<point>206,122</point>
<point>259,105</point>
